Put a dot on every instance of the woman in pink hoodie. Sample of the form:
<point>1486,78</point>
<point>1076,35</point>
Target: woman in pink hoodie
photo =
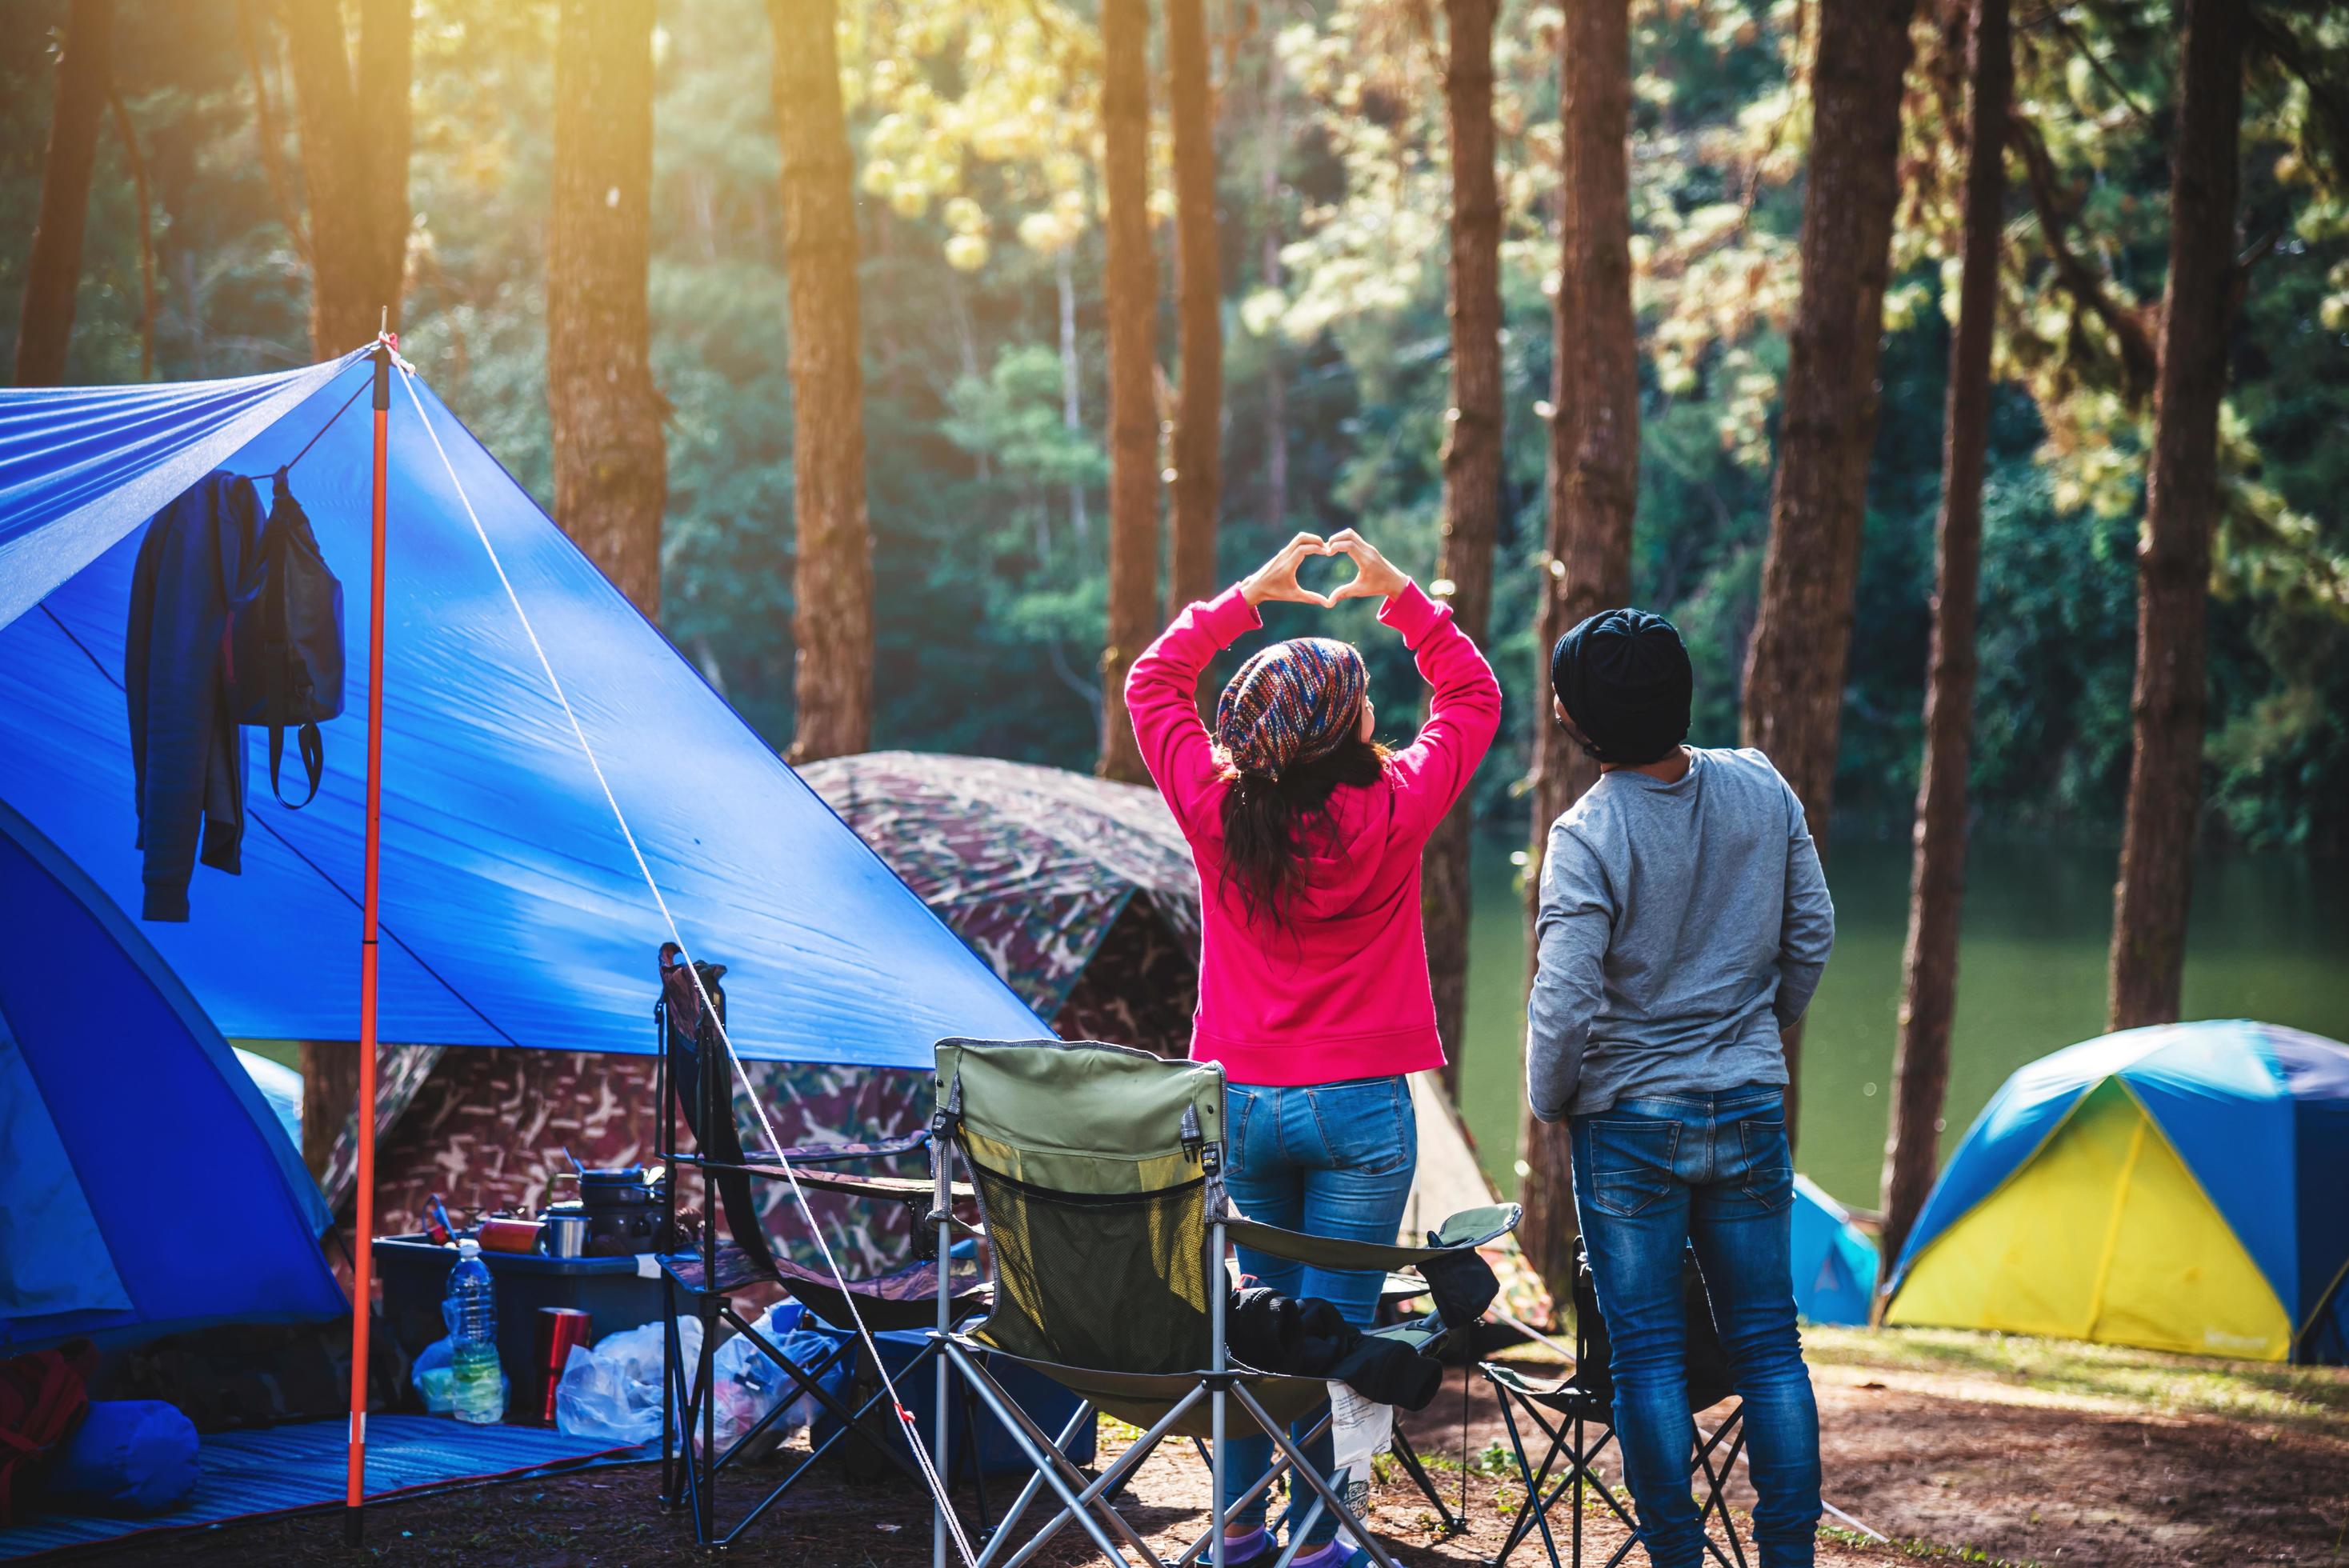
<point>1313,989</point>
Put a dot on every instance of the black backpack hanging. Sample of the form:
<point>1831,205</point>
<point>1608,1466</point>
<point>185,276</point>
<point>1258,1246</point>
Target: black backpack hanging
<point>286,640</point>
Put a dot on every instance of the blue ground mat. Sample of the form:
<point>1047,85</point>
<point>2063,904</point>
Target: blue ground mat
<point>282,1469</point>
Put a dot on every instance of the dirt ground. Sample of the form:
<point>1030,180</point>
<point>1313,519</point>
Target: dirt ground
<point>1960,1447</point>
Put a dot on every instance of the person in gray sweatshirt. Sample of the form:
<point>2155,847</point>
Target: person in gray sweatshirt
<point>1684,923</point>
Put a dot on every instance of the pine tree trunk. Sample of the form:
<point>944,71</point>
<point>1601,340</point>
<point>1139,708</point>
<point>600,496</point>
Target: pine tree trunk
<point>1131,302</point>
<point>1276,366</point>
<point>1802,631</point>
<point>611,475</point>
<point>1929,978</point>
<point>832,580</point>
<point>1197,491</point>
<point>53,272</point>
<point>354,142</point>
<point>2181,505</point>
<point>1594,476</point>
<point>1472,473</point>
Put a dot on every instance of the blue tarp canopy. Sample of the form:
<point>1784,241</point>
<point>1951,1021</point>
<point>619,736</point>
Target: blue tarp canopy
<point>513,913</point>
<point>145,1185</point>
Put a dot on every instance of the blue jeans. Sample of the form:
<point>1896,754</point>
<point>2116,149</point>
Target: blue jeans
<point>1652,1176</point>
<point>1327,1160</point>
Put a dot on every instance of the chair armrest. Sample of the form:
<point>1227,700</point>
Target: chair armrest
<point>1465,1231</point>
<point>834,1153</point>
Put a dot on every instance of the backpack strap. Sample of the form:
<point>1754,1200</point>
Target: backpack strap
<point>274,548</point>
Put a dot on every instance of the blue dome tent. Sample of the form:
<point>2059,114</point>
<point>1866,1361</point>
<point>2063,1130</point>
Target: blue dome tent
<point>2180,1187</point>
<point>1834,1261</point>
<point>95,1236</point>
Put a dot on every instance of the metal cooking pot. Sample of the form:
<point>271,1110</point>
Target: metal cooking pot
<point>566,1230</point>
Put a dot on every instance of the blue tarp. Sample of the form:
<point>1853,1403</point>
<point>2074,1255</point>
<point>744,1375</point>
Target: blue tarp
<point>514,913</point>
<point>145,1184</point>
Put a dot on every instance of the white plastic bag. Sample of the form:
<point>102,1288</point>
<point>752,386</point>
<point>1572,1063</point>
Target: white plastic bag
<point>435,1376</point>
<point>750,1384</point>
<point>1360,1430</point>
<point>613,1392</point>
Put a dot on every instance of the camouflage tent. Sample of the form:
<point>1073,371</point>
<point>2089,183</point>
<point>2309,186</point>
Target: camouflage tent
<point>1078,891</point>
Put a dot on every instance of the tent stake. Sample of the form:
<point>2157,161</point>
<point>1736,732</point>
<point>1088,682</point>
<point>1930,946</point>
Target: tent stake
<point>363,1253</point>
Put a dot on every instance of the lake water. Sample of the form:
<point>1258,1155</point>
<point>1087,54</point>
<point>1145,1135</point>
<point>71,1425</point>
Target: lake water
<point>2268,939</point>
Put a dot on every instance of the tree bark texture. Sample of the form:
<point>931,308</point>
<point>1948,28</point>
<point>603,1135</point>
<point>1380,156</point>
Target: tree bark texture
<point>1928,976</point>
<point>354,130</point>
<point>53,272</point>
<point>1276,364</point>
<point>1801,630</point>
<point>1196,495</point>
<point>1472,472</point>
<point>611,474</point>
<point>1131,291</point>
<point>1594,477</point>
<point>832,578</point>
<point>2181,506</point>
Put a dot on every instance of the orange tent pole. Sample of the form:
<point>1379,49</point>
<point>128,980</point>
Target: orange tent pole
<point>363,1251</point>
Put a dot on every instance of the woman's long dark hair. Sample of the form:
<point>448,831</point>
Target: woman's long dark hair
<point>1268,823</point>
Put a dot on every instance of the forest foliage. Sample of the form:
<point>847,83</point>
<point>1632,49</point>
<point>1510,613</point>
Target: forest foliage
<point>976,137</point>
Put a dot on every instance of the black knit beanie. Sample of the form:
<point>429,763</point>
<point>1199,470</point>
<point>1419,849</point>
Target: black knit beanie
<point>1624,679</point>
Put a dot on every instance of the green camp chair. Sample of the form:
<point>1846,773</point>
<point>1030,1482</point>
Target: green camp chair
<point>1100,1173</point>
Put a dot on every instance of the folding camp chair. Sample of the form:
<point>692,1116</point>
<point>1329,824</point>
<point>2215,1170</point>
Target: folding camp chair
<point>694,1079</point>
<point>1585,1398</point>
<point>1100,1172</point>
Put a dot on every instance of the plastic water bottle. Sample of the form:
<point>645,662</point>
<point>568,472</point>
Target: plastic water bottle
<point>477,1384</point>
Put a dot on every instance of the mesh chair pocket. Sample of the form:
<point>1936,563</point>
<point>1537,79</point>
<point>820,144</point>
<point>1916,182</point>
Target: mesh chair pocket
<point>1112,1281</point>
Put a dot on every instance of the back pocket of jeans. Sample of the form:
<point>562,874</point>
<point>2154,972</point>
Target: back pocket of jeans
<point>1631,1164</point>
<point>1768,1177</point>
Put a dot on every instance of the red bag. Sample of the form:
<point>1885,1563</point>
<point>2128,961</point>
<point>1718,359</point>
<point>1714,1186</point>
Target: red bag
<point>41,1396</point>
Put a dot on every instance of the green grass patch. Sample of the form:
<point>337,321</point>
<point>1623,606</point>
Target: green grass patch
<point>2313,1398</point>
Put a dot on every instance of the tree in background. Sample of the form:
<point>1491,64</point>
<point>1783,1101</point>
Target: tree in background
<point>611,473</point>
<point>1472,471</point>
<point>353,120</point>
<point>53,272</point>
<point>1196,494</point>
<point>1131,303</point>
<point>1594,482</point>
<point>1827,428</point>
<point>2181,512</point>
<point>1928,976</point>
<point>832,580</point>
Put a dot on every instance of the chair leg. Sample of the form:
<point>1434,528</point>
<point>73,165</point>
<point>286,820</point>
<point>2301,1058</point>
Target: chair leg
<point>1059,1473</point>
<point>1002,1534</point>
<point>1731,1437</point>
<point>1304,1471</point>
<point>1271,1477</point>
<point>1531,1513</point>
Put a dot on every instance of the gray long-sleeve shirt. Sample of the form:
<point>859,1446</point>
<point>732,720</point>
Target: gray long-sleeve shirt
<point>1682,925</point>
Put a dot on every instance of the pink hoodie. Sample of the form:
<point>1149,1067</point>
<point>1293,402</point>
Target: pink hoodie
<point>1341,991</point>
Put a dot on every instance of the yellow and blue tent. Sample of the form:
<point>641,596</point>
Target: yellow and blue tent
<point>2182,1187</point>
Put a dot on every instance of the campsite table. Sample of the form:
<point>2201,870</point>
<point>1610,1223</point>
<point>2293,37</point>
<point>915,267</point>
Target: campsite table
<point>614,1293</point>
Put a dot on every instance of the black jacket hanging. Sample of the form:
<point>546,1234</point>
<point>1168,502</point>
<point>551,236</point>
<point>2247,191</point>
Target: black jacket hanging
<point>184,746</point>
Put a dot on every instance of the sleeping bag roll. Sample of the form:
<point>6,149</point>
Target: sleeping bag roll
<point>127,1456</point>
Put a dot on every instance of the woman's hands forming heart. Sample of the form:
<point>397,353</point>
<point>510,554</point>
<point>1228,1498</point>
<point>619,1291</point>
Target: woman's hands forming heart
<point>1374,577</point>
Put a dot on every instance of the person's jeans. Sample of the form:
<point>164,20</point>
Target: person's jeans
<point>1327,1160</point>
<point>1651,1176</point>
